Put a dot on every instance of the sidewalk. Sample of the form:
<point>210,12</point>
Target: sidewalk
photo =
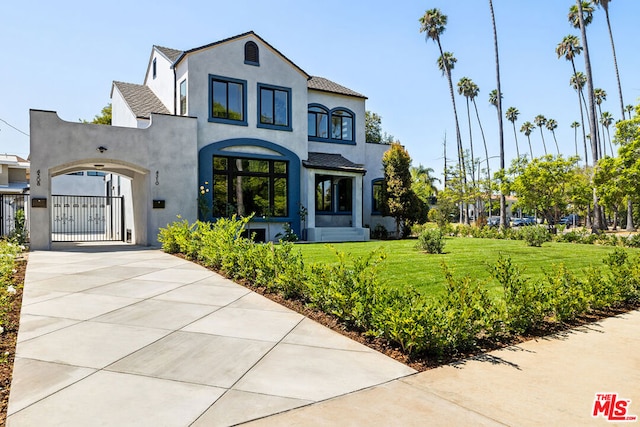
<point>133,336</point>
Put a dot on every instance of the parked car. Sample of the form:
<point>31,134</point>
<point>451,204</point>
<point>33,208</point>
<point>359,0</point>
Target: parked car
<point>526,220</point>
<point>493,221</point>
<point>570,220</point>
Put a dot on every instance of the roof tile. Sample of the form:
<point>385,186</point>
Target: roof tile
<point>141,99</point>
<point>326,85</point>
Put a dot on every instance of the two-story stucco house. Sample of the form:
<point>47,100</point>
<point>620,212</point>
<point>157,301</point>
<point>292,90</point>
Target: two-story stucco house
<point>271,139</point>
<point>233,127</point>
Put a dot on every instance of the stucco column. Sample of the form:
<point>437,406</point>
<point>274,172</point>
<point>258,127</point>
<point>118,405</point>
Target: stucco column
<point>357,202</point>
<point>311,199</point>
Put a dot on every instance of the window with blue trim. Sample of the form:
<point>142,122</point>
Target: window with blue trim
<point>228,100</point>
<point>377,187</point>
<point>274,107</point>
<point>246,186</point>
<point>251,53</point>
<point>334,194</point>
<point>330,125</point>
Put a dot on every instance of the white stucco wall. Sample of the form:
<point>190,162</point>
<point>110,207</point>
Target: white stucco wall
<point>78,185</point>
<point>166,150</point>
<point>121,114</point>
<point>162,84</point>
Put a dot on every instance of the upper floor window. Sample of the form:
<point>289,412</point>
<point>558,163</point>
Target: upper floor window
<point>377,188</point>
<point>342,125</point>
<point>274,107</point>
<point>330,125</point>
<point>155,68</point>
<point>228,100</point>
<point>318,122</point>
<point>251,53</point>
<point>183,97</point>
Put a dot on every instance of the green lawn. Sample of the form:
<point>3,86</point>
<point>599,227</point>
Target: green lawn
<point>406,266</point>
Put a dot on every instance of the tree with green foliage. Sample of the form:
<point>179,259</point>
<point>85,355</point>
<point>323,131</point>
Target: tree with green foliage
<point>373,129</point>
<point>628,137</point>
<point>104,118</point>
<point>545,185</point>
<point>423,183</point>
<point>610,185</point>
<point>398,199</point>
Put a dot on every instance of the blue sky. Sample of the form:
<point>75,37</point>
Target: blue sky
<point>63,56</point>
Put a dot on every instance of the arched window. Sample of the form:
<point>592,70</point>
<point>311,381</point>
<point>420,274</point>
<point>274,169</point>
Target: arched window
<point>342,125</point>
<point>251,53</point>
<point>318,122</point>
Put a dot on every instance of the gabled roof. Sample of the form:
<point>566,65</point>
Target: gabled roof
<point>240,36</point>
<point>140,99</point>
<point>171,54</point>
<point>334,162</point>
<point>326,85</point>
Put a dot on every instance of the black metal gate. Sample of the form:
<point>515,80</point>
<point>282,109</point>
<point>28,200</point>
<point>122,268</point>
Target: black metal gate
<point>87,218</point>
<point>14,214</point>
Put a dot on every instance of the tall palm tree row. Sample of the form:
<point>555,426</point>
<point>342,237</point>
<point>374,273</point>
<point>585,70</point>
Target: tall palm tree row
<point>433,23</point>
<point>526,128</point>
<point>569,47</point>
<point>584,15</point>
<point>541,121</point>
<point>512,115</point>
<point>604,4</point>
<point>503,202</point>
<point>578,82</point>
<point>552,125</point>
<point>468,89</point>
<point>575,126</point>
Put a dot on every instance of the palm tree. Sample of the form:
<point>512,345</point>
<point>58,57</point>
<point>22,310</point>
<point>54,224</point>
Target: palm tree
<point>629,110</point>
<point>600,95</point>
<point>540,121</point>
<point>585,8</point>
<point>578,81</point>
<point>433,23</point>
<point>569,47</point>
<point>512,115</point>
<point>527,128</point>
<point>503,202</point>
<point>484,140</point>
<point>552,125</point>
<point>604,4</point>
<point>468,89</point>
<point>423,182</point>
<point>575,126</point>
<point>606,119</point>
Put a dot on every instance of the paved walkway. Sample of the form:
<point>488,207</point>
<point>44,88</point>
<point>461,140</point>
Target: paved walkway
<point>138,337</point>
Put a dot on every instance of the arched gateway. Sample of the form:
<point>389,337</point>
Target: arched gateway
<point>159,160</point>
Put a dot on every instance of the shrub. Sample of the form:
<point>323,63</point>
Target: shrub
<point>633,241</point>
<point>431,241</point>
<point>534,235</point>
<point>525,304</point>
<point>379,232</point>
<point>287,234</point>
<point>568,297</point>
<point>436,215</point>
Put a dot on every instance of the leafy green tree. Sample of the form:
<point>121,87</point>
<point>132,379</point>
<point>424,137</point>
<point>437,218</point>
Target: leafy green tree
<point>372,127</point>
<point>545,185</point>
<point>423,183</point>
<point>104,118</point>
<point>610,185</point>
<point>398,199</point>
<point>628,136</point>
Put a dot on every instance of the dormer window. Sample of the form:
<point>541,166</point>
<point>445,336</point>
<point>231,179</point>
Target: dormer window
<point>251,53</point>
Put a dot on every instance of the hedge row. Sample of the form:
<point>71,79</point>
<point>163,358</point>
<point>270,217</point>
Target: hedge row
<point>352,291</point>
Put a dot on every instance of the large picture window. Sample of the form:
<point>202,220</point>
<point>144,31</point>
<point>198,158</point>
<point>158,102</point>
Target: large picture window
<point>247,186</point>
<point>228,100</point>
<point>275,107</point>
